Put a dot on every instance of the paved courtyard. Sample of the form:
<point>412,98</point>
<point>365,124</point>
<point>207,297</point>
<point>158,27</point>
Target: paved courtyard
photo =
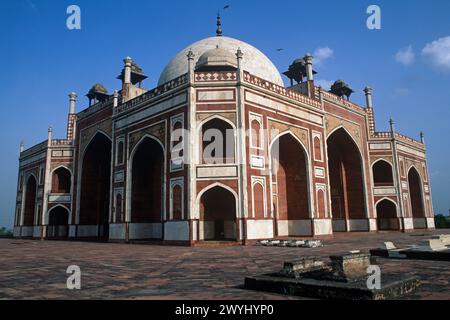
<point>37,269</point>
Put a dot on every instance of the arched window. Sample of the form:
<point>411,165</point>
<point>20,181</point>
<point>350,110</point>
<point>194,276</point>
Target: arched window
<point>119,209</point>
<point>120,151</point>
<point>218,142</point>
<point>256,134</point>
<point>258,201</point>
<point>321,204</point>
<point>382,174</point>
<point>317,149</point>
<point>61,181</point>
<point>41,176</point>
<point>177,206</point>
<point>177,147</point>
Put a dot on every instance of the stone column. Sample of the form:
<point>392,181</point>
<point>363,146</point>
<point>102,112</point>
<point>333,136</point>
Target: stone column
<point>72,102</point>
<point>116,99</point>
<point>368,93</point>
<point>72,116</point>
<point>396,176</point>
<point>309,69</point>
<point>241,153</point>
<point>127,74</point>
<point>192,147</point>
<point>309,74</point>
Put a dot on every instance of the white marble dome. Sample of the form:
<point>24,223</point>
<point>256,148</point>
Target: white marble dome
<point>254,61</point>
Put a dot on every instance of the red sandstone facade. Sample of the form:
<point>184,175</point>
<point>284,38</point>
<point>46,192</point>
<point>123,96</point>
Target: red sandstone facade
<point>116,177</point>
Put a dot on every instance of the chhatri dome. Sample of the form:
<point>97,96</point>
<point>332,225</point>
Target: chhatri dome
<point>254,61</point>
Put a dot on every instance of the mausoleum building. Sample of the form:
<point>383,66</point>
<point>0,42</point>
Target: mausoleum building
<point>304,162</point>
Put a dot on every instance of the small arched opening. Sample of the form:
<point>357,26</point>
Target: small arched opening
<point>218,214</point>
<point>387,215</point>
<point>382,174</point>
<point>58,223</point>
<point>61,180</point>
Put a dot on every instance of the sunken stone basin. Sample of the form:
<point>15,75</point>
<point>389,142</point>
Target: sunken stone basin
<point>344,277</point>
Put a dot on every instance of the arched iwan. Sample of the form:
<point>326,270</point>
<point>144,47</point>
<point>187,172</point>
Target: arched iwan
<point>290,177</point>
<point>348,199</point>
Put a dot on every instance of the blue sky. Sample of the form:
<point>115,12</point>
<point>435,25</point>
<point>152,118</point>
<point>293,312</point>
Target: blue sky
<point>407,62</point>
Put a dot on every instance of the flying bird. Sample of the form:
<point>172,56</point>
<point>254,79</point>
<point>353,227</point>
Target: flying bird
<point>280,49</point>
<point>226,7</point>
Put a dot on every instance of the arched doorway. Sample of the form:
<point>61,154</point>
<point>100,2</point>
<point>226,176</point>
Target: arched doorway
<point>147,186</point>
<point>415,195</point>
<point>382,174</point>
<point>95,185</point>
<point>58,223</point>
<point>61,180</point>
<point>346,180</point>
<point>290,175</point>
<point>387,215</point>
<point>30,202</point>
<point>218,214</point>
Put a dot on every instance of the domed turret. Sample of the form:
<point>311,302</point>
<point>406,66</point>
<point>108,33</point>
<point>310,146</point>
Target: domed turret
<point>97,93</point>
<point>341,88</point>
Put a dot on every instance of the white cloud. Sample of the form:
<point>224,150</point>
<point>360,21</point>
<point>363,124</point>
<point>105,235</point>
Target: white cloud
<point>405,56</point>
<point>322,54</point>
<point>438,53</point>
<point>325,84</point>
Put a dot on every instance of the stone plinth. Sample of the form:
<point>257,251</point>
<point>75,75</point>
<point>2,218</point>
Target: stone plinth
<point>302,266</point>
<point>350,267</point>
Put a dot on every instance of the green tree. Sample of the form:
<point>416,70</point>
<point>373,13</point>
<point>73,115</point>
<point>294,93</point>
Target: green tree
<point>441,221</point>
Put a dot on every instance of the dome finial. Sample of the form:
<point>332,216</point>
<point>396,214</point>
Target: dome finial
<point>219,25</point>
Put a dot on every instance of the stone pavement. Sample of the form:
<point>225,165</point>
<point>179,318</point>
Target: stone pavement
<point>37,269</point>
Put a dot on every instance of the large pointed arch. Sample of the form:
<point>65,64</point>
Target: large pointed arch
<point>291,202</point>
<point>147,176</point>
<point>30,201</point>
<point>95,179</point>
<point>416,198</point>
<point>346,171</point>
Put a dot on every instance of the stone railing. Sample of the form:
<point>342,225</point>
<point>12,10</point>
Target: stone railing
<point>382,135</point>
<point>61,142</point>
<point>340,101</point>
<point>149,95</point>
<point>404,138</point>
<point>38,147</point>
<point>96,107</point>
<point>398,136</point>
<point>215,76</point>
<point>291,94</point>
